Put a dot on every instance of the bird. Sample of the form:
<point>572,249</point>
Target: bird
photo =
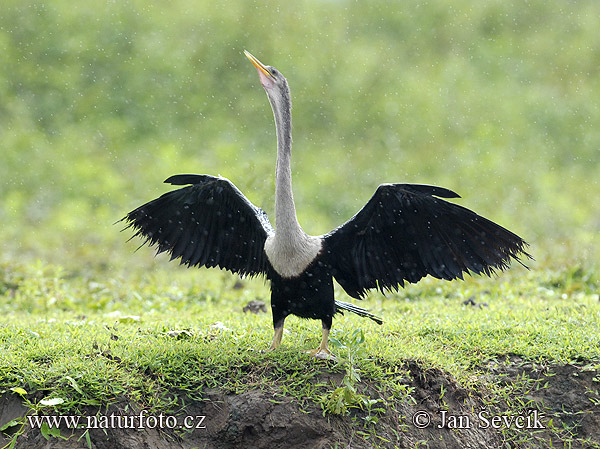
<point>404,233</point>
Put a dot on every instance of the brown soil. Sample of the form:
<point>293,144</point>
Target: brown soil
<point>565,399</point>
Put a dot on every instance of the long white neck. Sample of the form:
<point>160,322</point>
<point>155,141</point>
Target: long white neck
<point>286,221</point>
<point>290,250</point>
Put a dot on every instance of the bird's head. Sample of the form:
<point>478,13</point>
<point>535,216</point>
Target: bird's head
<point>270,77</point>
<point>278,92</point>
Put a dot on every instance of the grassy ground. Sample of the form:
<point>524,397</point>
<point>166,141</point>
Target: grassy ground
<point>495,100</point>
<point>160,341</point>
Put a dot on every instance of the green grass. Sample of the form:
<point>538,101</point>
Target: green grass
<point>158,340</point>
<point>150,336</point>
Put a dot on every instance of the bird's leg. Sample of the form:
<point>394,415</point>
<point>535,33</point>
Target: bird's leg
<point>276,338</point>
<point>323,352</point>
<point>278,321</point>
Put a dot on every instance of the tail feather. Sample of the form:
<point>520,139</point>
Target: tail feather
<point>341,306</point>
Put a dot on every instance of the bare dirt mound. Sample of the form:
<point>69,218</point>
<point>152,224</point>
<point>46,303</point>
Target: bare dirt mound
<point>560,406</point>
<point>568,396</point>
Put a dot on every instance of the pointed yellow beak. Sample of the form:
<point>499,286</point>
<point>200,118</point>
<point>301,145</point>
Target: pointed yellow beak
<point>259,65</point>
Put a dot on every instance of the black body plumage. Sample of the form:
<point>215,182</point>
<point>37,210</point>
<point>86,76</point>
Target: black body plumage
<point>403,233</point>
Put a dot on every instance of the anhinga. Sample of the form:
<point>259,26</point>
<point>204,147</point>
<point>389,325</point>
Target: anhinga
<point>403,233</point>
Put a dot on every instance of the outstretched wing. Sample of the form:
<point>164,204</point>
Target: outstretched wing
<point>208,223</point>
<point>405,233</point>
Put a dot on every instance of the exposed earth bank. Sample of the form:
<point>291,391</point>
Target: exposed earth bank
<point>544,406</point>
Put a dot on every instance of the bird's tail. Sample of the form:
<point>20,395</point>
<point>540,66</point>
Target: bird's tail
<point>341,306</point>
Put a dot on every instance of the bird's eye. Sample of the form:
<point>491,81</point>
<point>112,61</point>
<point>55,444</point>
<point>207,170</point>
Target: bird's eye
<point>273,71</point>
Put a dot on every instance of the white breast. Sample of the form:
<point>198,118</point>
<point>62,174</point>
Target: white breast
<point>290,257</point>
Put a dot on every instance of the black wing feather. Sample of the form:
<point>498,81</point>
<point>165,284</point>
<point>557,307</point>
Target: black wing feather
<point>405,233</point>
<point>208,223</point>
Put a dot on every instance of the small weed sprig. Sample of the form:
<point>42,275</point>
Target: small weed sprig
<point>346,396</point>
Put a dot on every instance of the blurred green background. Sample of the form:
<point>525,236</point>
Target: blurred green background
<point>101,101</point>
